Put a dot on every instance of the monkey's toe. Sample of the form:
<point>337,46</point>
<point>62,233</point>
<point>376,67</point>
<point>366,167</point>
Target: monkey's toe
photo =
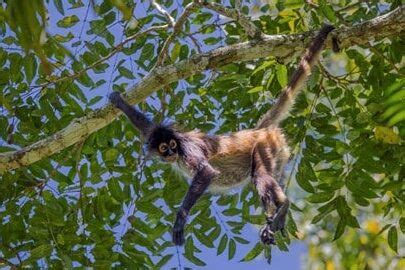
<point>267,235</point>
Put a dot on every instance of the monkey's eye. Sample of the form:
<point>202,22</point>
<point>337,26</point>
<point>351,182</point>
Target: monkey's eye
<point>173,144</point>
<point>163,147</point>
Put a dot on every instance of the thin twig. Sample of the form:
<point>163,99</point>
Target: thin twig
<point>196,44</point>
<point>161,10</point>
<point>250,28</point>
<point>176,30</point>
<point>116,49</point>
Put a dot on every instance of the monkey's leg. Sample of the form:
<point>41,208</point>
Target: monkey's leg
<point>275,205</point>
<point>275,202</point>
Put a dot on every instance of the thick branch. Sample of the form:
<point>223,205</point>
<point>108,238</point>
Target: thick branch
<point>392,23</point>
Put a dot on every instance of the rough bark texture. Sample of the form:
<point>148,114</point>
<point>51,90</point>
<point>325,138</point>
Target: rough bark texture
<point>282,46</point>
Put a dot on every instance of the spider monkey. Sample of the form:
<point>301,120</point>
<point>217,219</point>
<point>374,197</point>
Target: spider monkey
<point>221,162</point>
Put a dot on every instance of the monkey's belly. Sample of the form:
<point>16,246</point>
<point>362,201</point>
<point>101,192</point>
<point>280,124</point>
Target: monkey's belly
<point>233,172</point>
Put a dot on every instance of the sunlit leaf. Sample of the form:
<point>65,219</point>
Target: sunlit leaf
<point>68,21</point>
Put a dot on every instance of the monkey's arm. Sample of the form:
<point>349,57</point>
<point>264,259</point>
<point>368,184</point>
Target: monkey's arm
<point>138,119</point>
<point>199,184</point>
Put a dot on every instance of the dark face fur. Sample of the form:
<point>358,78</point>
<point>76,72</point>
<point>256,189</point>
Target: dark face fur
<point>164,142</point>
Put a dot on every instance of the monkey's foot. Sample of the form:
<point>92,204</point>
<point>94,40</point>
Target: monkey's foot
<point>267,235</point>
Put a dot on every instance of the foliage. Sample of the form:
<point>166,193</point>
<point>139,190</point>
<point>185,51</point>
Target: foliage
<point>100,203</point>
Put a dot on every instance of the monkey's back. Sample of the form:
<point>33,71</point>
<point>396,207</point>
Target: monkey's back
<point>231,154</point>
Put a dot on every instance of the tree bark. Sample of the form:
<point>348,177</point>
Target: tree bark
<point>281,46</point>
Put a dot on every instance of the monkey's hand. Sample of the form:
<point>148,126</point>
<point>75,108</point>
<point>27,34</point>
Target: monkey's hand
<point>272,226</point>
<point>267,235</point>
<point>115,98</point>
<point>178,228</point>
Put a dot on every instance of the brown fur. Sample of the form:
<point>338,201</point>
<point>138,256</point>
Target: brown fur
<point>231,155</point>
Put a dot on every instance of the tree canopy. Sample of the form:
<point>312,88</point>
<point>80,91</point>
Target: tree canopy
<point>76,188</point>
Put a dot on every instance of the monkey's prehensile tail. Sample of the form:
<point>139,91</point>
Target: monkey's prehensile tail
<point>287,97</point>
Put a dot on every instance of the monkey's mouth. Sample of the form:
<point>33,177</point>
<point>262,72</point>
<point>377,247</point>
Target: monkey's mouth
<point>171,158</point>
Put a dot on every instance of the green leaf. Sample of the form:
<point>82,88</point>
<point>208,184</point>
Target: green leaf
<point>192,258</point>
<point>203,239</point>
<point>241,240</point>
<point>393,239</point>
<point>126,73</point>
<point>402,224</point>
<point>303,182</point>
<point>212,40</point>
<point>281,72</point>
<point>147,52</point>
<point>115,190</point>
<point>255,89</point>
<point>340,229</point>
<point>94,100</point>
<point>68,21</point>
<point>41,251</point>
<point>30,67</point>
<point>280,241</point>
<point>175,51</point>
<point>163,261</point>
<point>232,249</point>
<point>324,210</point>
<point>320,197</point>
<point>59,6</point>
<point>222,244</point>
<point>254,252</point>
<point>111,154</point>
<point>328,11</point>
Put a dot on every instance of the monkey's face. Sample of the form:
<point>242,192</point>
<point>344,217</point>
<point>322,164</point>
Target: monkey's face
<point>168,150</point>
<point>164,143</point>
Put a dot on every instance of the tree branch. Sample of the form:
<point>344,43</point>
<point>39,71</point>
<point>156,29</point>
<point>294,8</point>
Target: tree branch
<point>392,23</point>
<point>164,12</point>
